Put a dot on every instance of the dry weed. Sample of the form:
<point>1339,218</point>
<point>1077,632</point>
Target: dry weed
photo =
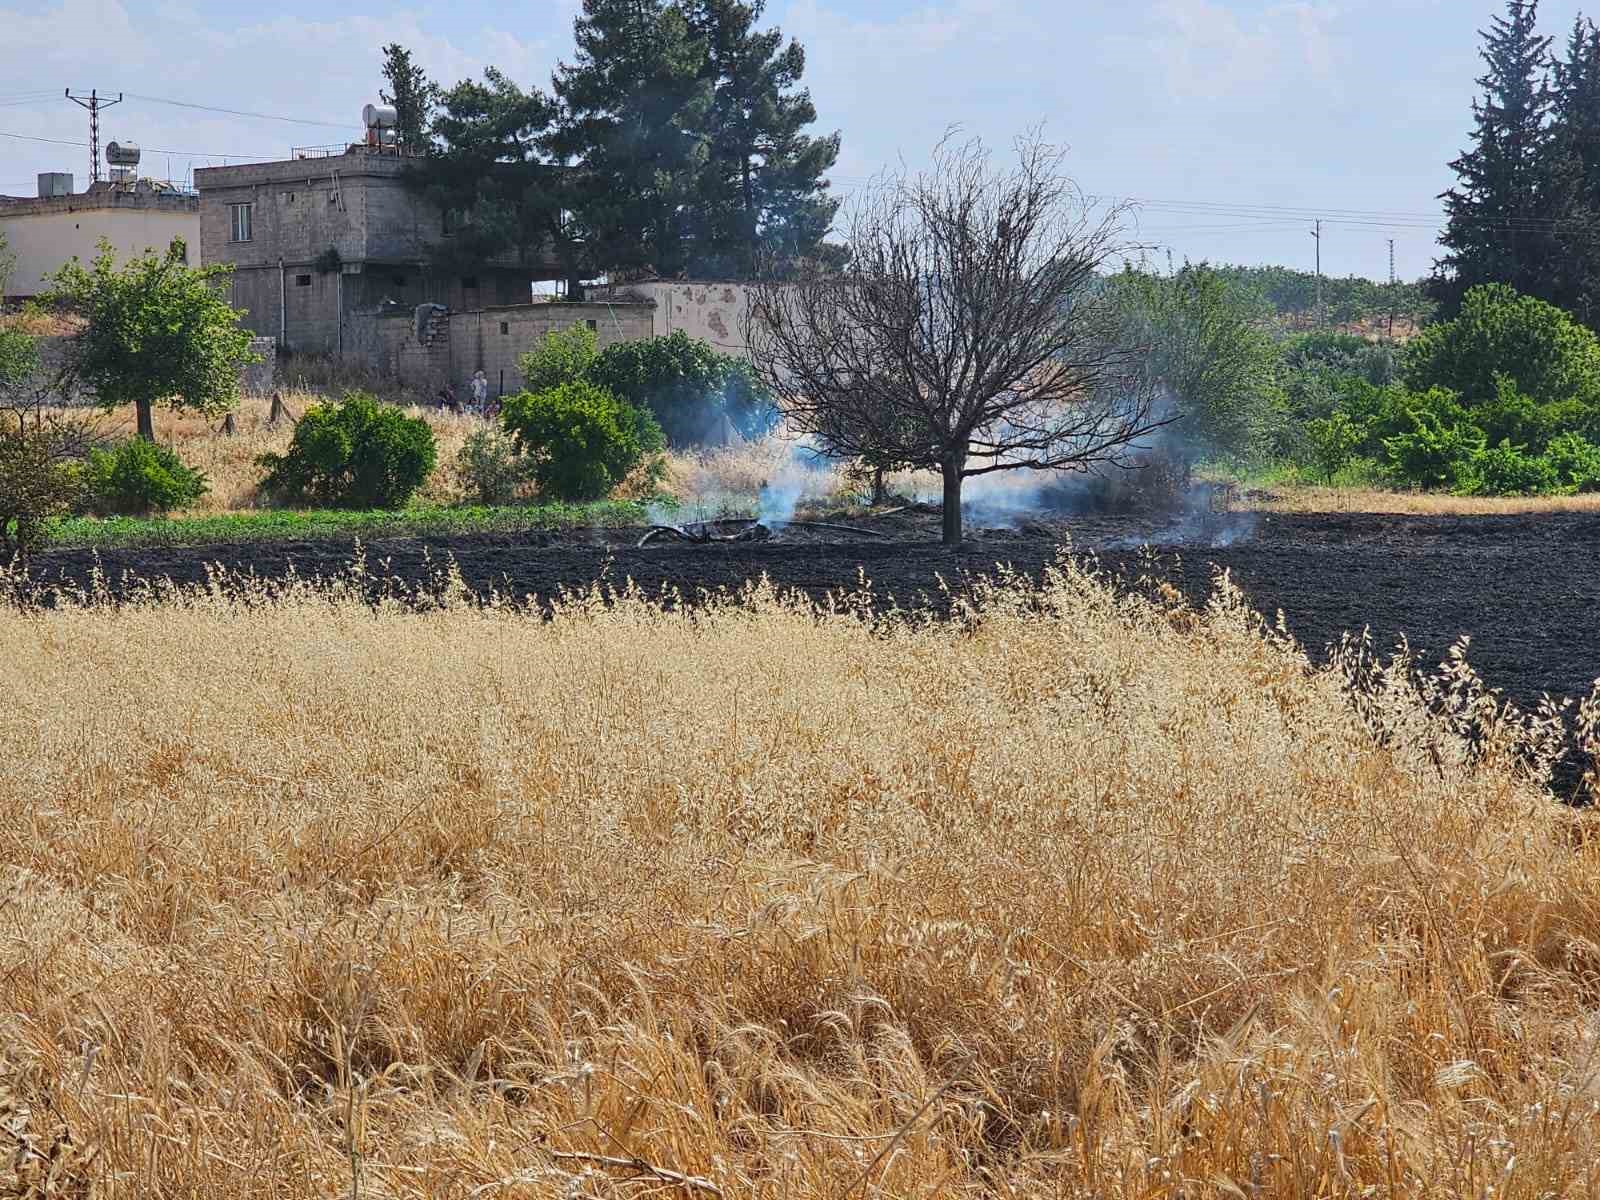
<point>1428,504</point>
<point>230,461</point>
<point>1072,895</point>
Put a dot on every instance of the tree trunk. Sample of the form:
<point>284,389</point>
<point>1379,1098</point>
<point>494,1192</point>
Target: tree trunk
<point>147,424</point>
<point>879,491</point>
<point>952,502</point>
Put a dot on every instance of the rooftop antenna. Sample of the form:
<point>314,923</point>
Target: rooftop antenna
<point>94,102</point>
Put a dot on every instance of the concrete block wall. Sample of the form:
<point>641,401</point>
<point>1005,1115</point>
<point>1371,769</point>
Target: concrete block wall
<point>257,378</point>
<point>490,340</point>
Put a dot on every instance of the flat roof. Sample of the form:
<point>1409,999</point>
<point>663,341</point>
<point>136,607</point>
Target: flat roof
<point>358,160</point>
<point>107,198</point>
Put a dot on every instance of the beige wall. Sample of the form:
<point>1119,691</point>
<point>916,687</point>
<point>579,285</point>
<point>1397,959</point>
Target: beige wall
<point>712,312</point>
<point>489,340</point>
<point>44,242</point>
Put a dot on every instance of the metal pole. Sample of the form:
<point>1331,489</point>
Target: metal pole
<point>1317,234</point>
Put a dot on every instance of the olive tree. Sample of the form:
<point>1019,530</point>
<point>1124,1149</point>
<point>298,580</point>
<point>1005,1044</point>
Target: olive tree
<point>156,331</point>
<point>969,332</point>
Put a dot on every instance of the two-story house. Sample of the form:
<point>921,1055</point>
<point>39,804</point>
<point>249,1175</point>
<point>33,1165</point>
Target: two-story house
<point>315,240</point>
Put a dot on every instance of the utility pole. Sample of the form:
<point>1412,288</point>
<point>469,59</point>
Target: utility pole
<point>1391,289</point>
<point>94,102</point>
<point>1317,234</point>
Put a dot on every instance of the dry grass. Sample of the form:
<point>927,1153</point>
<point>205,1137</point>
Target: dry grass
<point>230,462</point>
<point>1077,896</point>
<point>1308,498</point>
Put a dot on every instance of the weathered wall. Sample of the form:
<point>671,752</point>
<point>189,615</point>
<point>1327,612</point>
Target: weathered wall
<point>712,312</point>
<point>257,378</point>
<point>489,340</point>
<point>46,234</point>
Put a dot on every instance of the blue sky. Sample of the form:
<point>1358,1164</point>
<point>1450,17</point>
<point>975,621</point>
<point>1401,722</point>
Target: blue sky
<point>1236,121</point>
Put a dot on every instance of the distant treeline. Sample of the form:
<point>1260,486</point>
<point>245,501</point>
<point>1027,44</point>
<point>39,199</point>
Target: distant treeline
<point>1292,295</point>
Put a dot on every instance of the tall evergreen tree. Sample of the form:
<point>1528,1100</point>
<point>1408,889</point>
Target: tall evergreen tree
<point>634,108</point>
<point>410,93</point>
<point>1497,225</point>
<point>763,184</point>
<point>490,176</point>
<point>1572,174</point>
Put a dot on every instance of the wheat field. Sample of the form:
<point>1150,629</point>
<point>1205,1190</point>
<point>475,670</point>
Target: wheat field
<point>1072,895</point>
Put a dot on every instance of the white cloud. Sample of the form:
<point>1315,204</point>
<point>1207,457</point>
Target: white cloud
<point>323,70</point>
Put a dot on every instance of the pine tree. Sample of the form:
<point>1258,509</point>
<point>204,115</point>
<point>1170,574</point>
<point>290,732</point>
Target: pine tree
<point>763,185</point>
<point>1497,227</point>
<point>634,109</point>
<point>490,177</point>
<point>410,93</point>
<point>1572,174</point>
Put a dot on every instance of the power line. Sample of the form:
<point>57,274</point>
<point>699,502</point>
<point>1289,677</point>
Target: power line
<point>235,112</point>
<point>151,149</point>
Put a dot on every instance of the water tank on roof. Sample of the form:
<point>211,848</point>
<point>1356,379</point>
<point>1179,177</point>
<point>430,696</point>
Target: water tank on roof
<point>54,183</point>
<point>122,154</point>
<point>380,116</point>
<point>123,175</point>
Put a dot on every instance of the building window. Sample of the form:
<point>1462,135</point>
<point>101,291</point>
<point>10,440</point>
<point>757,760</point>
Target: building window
<point>302,281</point>
<point>469,282</point>
<point>240,214</point>
<point>505,328</point>
<point>594,326</point>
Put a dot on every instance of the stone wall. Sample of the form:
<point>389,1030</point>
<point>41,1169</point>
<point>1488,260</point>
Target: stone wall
<point>453,346</point>
<point>257,378</point>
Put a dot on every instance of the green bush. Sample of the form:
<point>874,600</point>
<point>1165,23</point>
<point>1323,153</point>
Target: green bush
<point>1334,441</point>
<point>38,479</point>
<point>1506,470</point>
<point>1501,334</point>
<point>686,384</point>
<point>490,468</point>
<point>1575,463</point>
<point>1437,444</point>
<point>581,440</point>
<point>565,356</point>
<point>357,453</point>
<point>139,477</point>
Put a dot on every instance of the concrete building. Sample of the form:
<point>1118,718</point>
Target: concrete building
<point>47,231</point>
<point>317,241</point>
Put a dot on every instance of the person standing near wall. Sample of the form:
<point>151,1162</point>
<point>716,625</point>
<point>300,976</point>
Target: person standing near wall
<point>480,393</point>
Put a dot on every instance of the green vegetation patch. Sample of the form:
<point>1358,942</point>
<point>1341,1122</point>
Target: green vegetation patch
<point>268,525</point>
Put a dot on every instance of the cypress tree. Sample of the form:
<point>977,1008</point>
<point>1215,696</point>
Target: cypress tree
<point>410,93</point>
<point>1498,228</point>
<point>1573,174</point>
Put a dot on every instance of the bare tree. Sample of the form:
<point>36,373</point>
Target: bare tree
<point>969,332</point>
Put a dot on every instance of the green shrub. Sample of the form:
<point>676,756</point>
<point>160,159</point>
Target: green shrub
<point>1437,442</point>
<point>687,385</point>
<point>38,479</point>
<point>1575,462</point>
<point>565,356</point>
<point>490,468</point>
<point>1549,356</point>
<point>1506,470</point>
<point>581,440</point>
<point>139,477</point>
<point>1334,441</point>
<point>357,453</point>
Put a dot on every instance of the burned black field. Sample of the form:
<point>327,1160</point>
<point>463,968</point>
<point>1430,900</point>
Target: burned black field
<point>1526,588</point>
